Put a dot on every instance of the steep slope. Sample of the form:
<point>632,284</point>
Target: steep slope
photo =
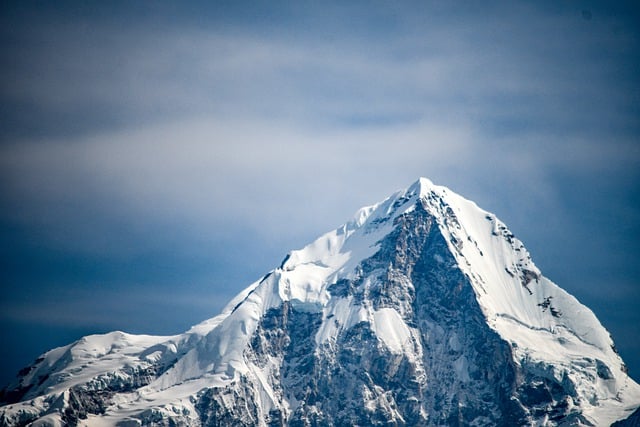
<point>422,310</point>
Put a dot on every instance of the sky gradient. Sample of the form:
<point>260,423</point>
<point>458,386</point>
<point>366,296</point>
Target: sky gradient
<point>156,158</point>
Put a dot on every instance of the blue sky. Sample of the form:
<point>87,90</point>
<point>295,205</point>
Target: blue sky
<point>156,158</point>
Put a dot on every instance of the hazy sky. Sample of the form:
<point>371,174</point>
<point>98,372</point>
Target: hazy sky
<point>157,157</point>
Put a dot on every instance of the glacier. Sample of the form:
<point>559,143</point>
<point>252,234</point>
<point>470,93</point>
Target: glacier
<point>423,309</point>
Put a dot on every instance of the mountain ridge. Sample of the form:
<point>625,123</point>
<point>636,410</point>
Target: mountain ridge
<point>422,310</point>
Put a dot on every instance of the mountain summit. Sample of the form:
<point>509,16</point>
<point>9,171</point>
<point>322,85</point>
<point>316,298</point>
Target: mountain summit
<point>422,310</point>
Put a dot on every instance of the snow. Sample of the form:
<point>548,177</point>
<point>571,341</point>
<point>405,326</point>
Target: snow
<point>461,366</point>
<point>508,286</point>
<point>391,329</point>
<point>88,358</point>
<point>513,311</point>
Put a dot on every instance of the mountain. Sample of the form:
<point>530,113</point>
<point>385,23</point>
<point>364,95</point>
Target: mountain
<point>422,310</point>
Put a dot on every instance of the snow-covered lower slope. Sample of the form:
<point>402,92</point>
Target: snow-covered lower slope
<point>422,310</point>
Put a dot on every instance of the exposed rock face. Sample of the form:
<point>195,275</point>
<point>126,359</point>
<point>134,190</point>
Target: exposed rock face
<point>424,310</point>
<point>466,375</point>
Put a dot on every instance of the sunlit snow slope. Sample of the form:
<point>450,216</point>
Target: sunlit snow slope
<point>422,310</point>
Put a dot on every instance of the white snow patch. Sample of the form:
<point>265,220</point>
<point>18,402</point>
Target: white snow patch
<point>392,330</point>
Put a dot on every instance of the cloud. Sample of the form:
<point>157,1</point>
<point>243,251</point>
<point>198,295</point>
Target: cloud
<point>185,116</point>
<point>212,172</point>
<point>502,71</point>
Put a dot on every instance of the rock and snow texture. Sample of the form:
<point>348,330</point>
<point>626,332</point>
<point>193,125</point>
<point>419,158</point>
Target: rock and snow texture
<point>422,310</point>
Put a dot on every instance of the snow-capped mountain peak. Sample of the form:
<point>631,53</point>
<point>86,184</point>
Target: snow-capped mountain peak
<point>422,310</point>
